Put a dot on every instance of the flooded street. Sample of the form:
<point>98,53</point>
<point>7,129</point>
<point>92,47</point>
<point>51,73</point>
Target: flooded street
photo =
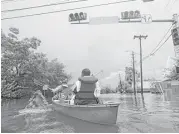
<point>147,113</point>
<point>92,53</point>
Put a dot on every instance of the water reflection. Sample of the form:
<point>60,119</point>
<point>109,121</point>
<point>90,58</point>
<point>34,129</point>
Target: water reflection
<point>137,113</point>
<point>43,123</point>
<point>152,113</point>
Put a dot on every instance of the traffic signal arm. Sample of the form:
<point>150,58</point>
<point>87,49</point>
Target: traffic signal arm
<point>147,0</point>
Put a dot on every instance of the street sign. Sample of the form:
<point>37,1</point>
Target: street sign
<point>146,18</point>
<point>103,20</point>
<point>130,15</point>
<point>45,87</point>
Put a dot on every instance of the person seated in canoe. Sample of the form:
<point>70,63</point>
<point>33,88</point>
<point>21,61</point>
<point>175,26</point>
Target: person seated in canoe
<point>86,89</point>
<point>58,90</point>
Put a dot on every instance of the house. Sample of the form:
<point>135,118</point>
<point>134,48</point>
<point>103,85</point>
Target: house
<point>175,87</point>
<point>167,86</point>
<point>147,86</point>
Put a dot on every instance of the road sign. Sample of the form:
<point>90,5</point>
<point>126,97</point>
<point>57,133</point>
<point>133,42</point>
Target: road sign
<point>45,87</point>
<point>103,20</point>
<point>146,18</point>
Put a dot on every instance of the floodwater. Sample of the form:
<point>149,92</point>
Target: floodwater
<point>147,113</point>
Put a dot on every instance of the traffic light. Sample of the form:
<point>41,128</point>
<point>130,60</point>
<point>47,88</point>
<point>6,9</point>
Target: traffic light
<point>130,14</point>
<point>77,16</point>
<point>175,36</point>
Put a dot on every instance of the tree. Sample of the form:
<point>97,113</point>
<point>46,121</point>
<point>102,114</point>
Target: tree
<point>173,72</point>
<point>129,75</point>
<point>21,64</point>
<point>121,86</point>
<point>173,75</point>
<point>106,90</point>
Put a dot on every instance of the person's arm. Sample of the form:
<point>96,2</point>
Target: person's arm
<point>77,87</point>
<point>97,90</point>
<point>57,89</point>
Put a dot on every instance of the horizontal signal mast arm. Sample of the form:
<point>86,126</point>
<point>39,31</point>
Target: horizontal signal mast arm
<point>133,21</point>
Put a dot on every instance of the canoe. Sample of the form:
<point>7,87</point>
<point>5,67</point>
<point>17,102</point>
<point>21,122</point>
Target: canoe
<point>96,113</point>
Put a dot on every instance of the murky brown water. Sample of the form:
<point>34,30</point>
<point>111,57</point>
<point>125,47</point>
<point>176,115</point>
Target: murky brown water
<point>148,113</point>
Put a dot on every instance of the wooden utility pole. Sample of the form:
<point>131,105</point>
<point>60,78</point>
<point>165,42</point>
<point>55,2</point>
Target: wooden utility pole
<point>133,64</point>
<point>141,73</point>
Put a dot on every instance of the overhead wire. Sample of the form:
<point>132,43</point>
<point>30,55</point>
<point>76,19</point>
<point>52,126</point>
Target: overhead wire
<point>6,1</point>
<point>162,38</point>
<point>46,5</point>
<point>162,44</point>
<point>156,48</point>
<point>70,9</point>
<point>169,1</point>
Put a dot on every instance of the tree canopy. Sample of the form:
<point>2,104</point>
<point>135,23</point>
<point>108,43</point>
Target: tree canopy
<point>21,64</point>
<point>173,72</point>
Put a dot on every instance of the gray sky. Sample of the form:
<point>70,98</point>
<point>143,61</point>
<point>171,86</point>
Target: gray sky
<point>98,47</point>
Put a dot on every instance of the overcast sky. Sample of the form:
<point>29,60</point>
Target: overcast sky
<point>97,47</point>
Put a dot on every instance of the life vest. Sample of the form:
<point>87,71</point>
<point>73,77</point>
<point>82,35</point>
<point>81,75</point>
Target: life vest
<point>88,86</point>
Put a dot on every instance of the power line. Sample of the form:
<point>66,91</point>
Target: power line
<point>162,44</point>
<point>30,15</point>
<point>162,38</point>
<point>158,48</point>
<point>10,0</point>
<point>169,1</point>
<point>7,1</point>
<point>46,5</point>
<point>151,53</point>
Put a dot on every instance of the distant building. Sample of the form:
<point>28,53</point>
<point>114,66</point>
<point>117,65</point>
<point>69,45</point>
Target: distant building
<point>147,86</point>
<point>167,85</point>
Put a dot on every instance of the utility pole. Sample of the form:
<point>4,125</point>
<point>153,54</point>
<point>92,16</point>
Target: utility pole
<point>120,81</point>
<point>134,81</point>
<point>133,70</point>
<point>141,73</point>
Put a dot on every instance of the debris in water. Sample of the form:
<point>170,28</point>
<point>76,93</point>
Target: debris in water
<point>37,101</point>
<point>37,104</point>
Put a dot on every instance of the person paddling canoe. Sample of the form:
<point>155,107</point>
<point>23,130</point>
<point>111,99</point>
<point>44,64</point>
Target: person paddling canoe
<point>58,90</point>
<point>86,89</point>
